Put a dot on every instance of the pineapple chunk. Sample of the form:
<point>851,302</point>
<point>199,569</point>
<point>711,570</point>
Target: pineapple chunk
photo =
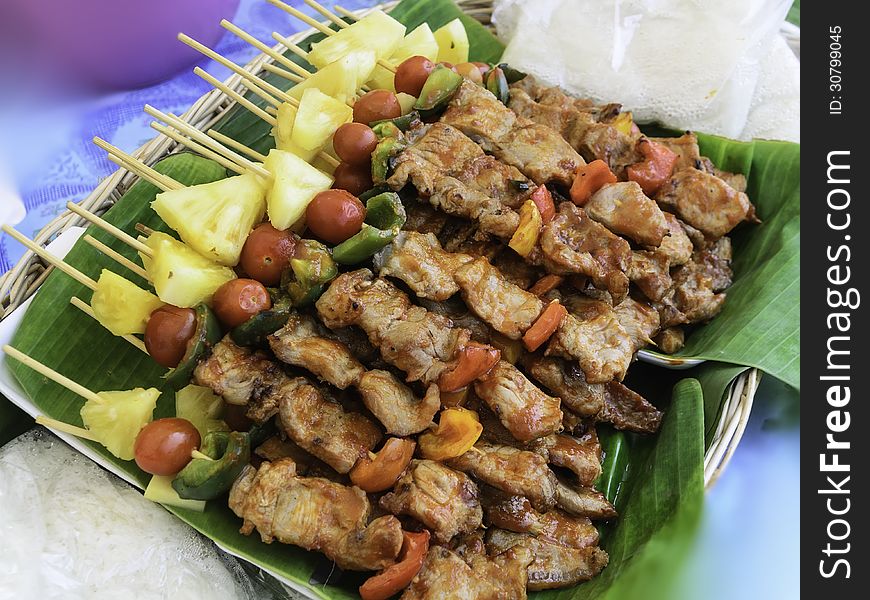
<point>215,218</point>
<point>295,183</point>
<point>316,121</point>
<point>340,79</point>
<point>406,101</point>
<point>452,42</point>
<point>181,276</point>
<point>377,31</point>
<point>420,42</point>
<point>283,130</point>
<point>202,407</point>
<point>116,420</point>
<point>121,306</point>
<point>160,490</point>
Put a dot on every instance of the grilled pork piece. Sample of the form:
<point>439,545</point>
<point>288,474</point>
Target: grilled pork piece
<point>554,565</point>
<point>595,338</point>
<point>315,514</point>
<point>629,410</point>
<point>419,261</point>
<point>583,125</point>
<point>440,163</point>
<point>537,151</point>
<point>705,202</point>
<point>517,472</point>
<point>640,321</point>
<point>302,343</point>
<point>625,210</point>
<point>444,500</point>
<point>420,343</point>
<point>446,576</point>
<point>507,308</point>
<point>687,151</point>
<point>526,411</point>
<point>515,513</point>
<point>574,243</point>
<point>670,340</point>
<point>274,449</point>
<point>676,246</point>
<point>580,455</point>
<point>650,272</point>
<point>318,423</point>
<point>583,501</point>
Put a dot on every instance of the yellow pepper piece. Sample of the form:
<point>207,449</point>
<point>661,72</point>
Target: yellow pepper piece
<point>526,235</point>
<point>623,122</point>
<point>457,431</point>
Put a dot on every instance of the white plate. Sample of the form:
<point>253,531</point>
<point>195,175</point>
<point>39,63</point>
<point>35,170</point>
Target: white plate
<point>669,362</point>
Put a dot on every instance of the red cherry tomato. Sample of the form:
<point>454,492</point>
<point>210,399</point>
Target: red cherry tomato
<point>163,446</point>
<point>238,300</point>
<point>412,74</point>
<point>376,105</point>
<point>335,215</point>
<point>354,143</point>
<point>266,253</point>
<point>168,331</point>
<point>356,179</point>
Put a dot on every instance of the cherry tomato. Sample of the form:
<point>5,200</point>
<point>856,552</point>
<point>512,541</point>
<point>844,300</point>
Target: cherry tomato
<point>412,74</point>
<point>356,179</point>
<point>376,105</point>
<point>266,253</point>
<point>354,143</point>
<point>238,300</point>
<point>163,446</point>
<point>168,331</point>
<point>470,71</point>
<point>335,215</point>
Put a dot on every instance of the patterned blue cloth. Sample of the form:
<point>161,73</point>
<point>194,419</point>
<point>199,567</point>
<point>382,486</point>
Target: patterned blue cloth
<point>72,171</point>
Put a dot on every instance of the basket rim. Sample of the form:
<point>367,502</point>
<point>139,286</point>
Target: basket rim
<point>24,279</point>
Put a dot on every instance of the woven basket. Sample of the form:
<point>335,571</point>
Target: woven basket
<point>24,279</point>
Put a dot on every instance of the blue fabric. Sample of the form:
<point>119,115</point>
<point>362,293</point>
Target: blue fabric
<point>73,170</point>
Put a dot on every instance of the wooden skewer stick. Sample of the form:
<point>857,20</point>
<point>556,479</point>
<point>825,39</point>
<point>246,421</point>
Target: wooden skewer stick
<point>283,73</point>
<point>277,56</point>
<point>85,308</point>
<point>118,258</point>
<point>53,375</point>
<point>211,143</point>
<point>197,454</point>
<point>236,145</point>
<point>110,229</point>
<point>236,96</point>
<point>345,13</point>
<point>326,13</point>
<point>224,162</point>
<point>66,428</point>
<point>136,166</point>
<point>302,17</point>
<point>270,89</point>
<point>294,48</point>
<point>51,258</point>
<point>320,26</point>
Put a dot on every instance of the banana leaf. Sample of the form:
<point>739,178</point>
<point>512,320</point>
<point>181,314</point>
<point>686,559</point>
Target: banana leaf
<point>659,479</point>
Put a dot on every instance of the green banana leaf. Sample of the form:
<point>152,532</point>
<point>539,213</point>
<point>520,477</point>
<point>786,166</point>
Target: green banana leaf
<point>659,480</point>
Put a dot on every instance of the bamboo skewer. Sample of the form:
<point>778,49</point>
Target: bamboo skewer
<point>227,164</point>
<point>277,56</point>
<point>85,308</point>
<point>282,72</point>
<point>117,257</point>
<point>294,48</point>
<point>51,258</point>
<point>236,145</point>
<point>110,229</point>
<point>320,26</point>
<point>235,96</point>
<point>326,13</point>
<point>134,165</point>
<point>272,92</point>
<point>345,13</point>
<point>52,374</point>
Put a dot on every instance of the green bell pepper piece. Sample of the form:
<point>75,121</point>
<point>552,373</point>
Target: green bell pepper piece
<point>204,479</point>
<point>310,270</point>
<point>439,88</point>
<point>207,334</point>
<point>385,150</point>
<point>385,216</point>
<point>512,75</point>
<point>255,329</point>
<point>392,127</point>
<point>497,83</point>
